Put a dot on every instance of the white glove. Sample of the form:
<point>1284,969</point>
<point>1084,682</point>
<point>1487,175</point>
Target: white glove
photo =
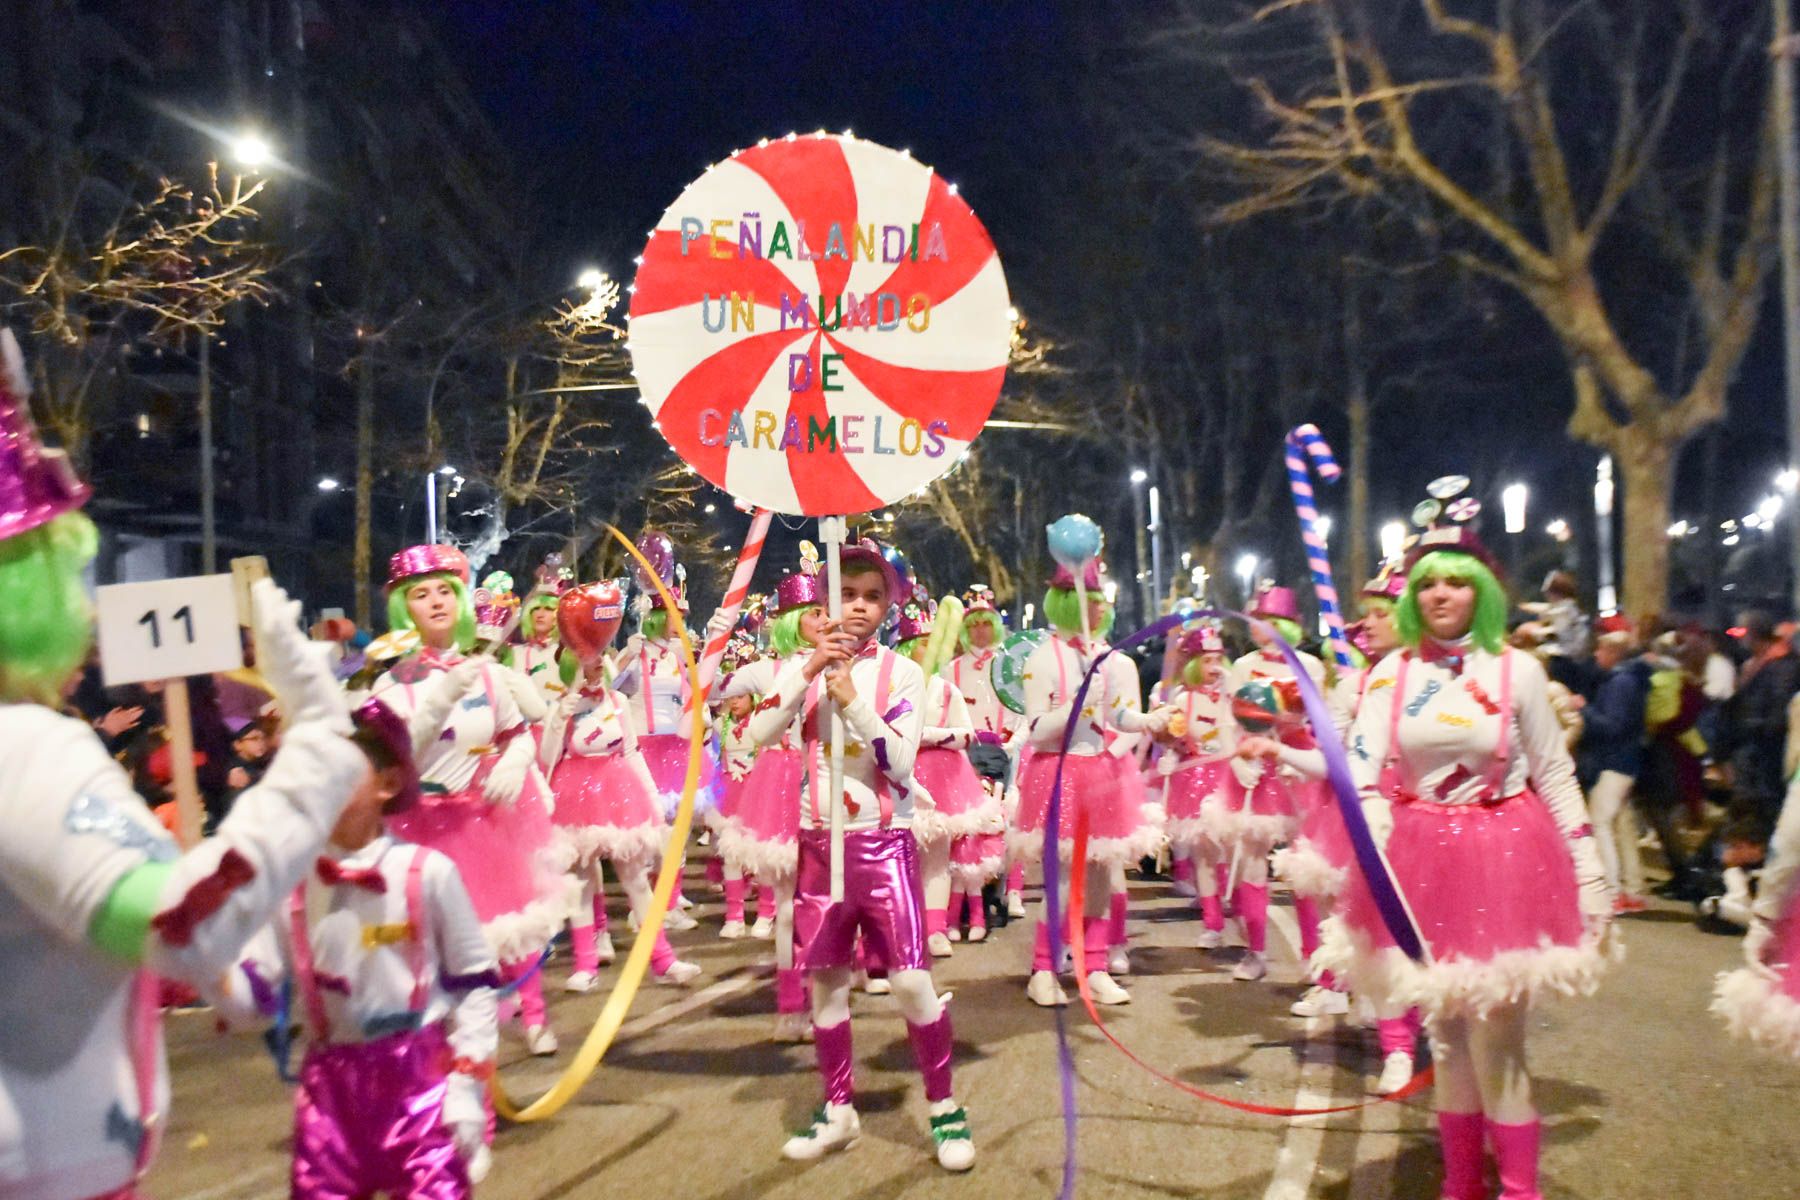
<point>296,668</point>
<point>1757,940</point>
<point>1157,721</point>
<point>464,1116</point>
<point>1596,900</point>
<point>433,713</point>
<point>1166,763</point>
<point>507,780</point>
<point>531,703</point>
<point>718,625</point>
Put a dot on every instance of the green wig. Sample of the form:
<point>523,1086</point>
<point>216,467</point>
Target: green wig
<point>1289,630</point>
<point>46,624</point>
<point>536,601</point>
<point>785,638</point>
<point>655,625</point>
<point>1063,611</point>
<point>399,618</point>
<point>905,649</point>
<point>982,618</point>
<point>1193,671</point>
<point>1489,626</point>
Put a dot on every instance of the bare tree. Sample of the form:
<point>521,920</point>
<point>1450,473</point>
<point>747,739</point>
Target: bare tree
<point>1609,163</point>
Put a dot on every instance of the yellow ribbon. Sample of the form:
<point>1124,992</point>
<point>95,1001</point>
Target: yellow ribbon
<point>631,975</point>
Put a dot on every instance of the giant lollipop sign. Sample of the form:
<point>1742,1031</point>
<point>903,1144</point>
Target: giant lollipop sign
<point>820,325</point>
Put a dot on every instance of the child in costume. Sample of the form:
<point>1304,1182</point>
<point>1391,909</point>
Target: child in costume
<point>396,984</point>
<point>96,899</point>
<point>961,808</point>
<point>607,806</point>
<point>1467,785</point>
<point>762,840</point>
<point>1122,826</point>
<point>737,758</point>
<point>978,861</point>
<point>1267,801</point>
<point>538,655</point>
<point>879,696</point>
<point>484,800</point>
<point>1193,768</point>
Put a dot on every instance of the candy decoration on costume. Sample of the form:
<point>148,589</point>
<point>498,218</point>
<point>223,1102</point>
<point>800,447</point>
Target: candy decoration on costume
<point>820,325</point>
<point>588,618</point>
<point>1009,666</point>
<point>1074,540</point>
<point>1306,441</point>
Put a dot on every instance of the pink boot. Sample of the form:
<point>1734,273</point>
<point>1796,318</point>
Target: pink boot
<point>715,870</point>
<point>1459,1137</point>
<point>1516,1152</point>
<point>1094,932</point>
<point>1040,949</point>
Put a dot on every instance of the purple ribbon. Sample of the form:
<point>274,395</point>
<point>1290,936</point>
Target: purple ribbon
<point>1369,860</point>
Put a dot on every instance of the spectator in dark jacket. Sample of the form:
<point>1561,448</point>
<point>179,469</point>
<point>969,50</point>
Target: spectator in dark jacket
<point>1610,756</point>
<point>1757,722</point>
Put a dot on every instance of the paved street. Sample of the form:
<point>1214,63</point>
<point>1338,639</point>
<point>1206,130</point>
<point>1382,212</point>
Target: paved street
<point>1643,1096</point>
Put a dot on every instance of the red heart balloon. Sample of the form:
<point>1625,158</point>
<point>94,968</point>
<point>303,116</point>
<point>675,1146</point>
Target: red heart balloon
<point>588,618</point>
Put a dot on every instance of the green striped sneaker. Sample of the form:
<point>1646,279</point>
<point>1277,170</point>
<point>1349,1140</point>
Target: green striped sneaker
<point>950,1131</point>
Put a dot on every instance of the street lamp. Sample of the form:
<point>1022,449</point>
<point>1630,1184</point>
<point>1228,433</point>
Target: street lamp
<point>591,279</point>
<point>1139,477</point>
<point>1155,531</point>
<point>431,502</point>
<point>250,150</point>
<point>1246,569</point>
<point>1393,540</point>
<point>329,484</point>
<point>1512,503</point>
<point>1559,529</point>
<point>1607,594</point>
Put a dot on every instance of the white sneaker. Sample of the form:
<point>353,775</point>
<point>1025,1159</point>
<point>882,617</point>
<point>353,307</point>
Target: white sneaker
<point>793,1028</point>
<point>1044,991</point>
<point>878,986</point>
<point>684,903</point>
<point>1015,905</point>
<point>1210,939</point>
<point>953,934</point>
<point>603,949</point>
<point>732,930</point>
<point>1105,989</point>
<point>581,981</point>
<point>480,1163</point>
<point>764,928</point>
<point>1251,967</point>
<point>978,933</point>
<point>1118,961</point>
<point>541,1040</point>
<point>1321,1002</point>
<point>950,1132</point>
<point>679,973</point>
<point>677,921</point>
<point>1396,1073</point>
<point>834,1127</point>
<point>939,945</point>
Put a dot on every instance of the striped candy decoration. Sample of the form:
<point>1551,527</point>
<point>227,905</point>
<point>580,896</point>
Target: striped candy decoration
<point>735,591</point>
<point>1306,441</point>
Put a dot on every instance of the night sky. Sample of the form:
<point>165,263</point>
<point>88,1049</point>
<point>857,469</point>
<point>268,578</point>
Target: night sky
<point>609,110</point>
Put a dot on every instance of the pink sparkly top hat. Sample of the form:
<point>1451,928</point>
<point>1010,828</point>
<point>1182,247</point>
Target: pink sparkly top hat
<point>36,485</point>
<point>1277,603</point>
<point>427,560</point>
<point>917,614</point>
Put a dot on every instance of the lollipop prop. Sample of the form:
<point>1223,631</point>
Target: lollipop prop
<point>946,628</point>
<point>1075,542</point>
<point>1306,441</point>
<point>733,603</point>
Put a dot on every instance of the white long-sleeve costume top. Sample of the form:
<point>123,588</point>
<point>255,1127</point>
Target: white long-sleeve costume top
<point>486,720</point>
<point>972,674</point>
<point>536,660</point>
<point>363,955</point>
<point>1209,732</point>
<point>653,675</point>
<point>1271,667</point>
<point>591,722</point>
<point>1053,674</point>
<point>1449,730</point>
<point>1342,699</point>
<point>74,830</point>
<point>758,679</point>
<point>879,747</point>
<point>947,719</point>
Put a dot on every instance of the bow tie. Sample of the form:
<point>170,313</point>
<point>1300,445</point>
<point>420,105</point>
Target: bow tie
<point>335,874</point>
<point>1445,656</point>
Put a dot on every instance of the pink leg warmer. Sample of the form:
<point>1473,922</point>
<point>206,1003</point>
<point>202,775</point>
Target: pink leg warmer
<point>931,1046</point>
<point>1253,907</point>
<point>837,1067</point>
<point>1094,931</point>
<point>600,912</point>
<point>1397,1035</point>
<point>1040,949</point>
<point>1015,878</point>
<point>662,955</point>
<point>1115,929</point>
<point>715,870</point>
<point>581,942</point>
<point>1459,1136</point>
<point>531,999</point>
<point>937,920</point>
<point>1183,869</point>
<point>1516,1152</point>
<point>1306,912</point>
<point>977,911</point>
<point>1212,912</point>
<point>765,902</point>
<point>734,899</point>
<point>790,990</point>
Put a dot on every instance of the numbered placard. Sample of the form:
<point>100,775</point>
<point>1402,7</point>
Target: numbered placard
<point>168,628</point>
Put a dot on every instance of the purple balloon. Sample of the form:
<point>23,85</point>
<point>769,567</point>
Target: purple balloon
<point>656,547</point>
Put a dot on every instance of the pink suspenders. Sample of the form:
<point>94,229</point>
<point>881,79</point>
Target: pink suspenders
<point>306,974</point>
<point>1496,776</point>
<point>883,791</point>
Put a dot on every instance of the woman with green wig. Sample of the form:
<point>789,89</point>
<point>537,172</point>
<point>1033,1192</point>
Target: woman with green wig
<point>1468,787</point>
<point>97,899</point>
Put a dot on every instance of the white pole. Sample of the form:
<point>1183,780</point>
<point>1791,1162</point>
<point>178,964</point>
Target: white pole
<point>1789,162</point>
<point>431,532</point>
<point>831,532</point>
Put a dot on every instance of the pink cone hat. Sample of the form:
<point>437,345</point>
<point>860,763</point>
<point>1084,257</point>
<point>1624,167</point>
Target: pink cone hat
<point>36,485</point>
<point>427,560</point>
<point>1276,602</point>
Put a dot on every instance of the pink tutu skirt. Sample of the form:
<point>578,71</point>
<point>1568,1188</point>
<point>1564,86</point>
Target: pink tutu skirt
<point>666,754</point>
<point>1122,827</point>
<point>978,857</point>
<point>1765,1008</point>
<point>761,839</point>
<point>1492,888</point>
<point>1315,864</point>
<point>1256,819</point>
<point>510,859</point>
<point>606,808</point>
<point>962,804</point>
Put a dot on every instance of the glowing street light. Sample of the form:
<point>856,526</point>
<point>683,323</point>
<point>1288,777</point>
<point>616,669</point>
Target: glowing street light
<point>329,484</point>
<point>1787,480</point>
<point>591,279</point>
<point>1246,571</point>
<point>1393,540</point>
<point>251,150</point>
<point>1139,475</point>
<point>1512,503</point>
<point>1559,529</point>
<point>1768,508</point>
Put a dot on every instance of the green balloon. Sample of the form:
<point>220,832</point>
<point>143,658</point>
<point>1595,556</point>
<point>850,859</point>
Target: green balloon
<point>1255,705</point>
<point>1008,672</point>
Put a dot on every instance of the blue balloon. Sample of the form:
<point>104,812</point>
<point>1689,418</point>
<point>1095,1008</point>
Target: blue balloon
<point>1074,540</point>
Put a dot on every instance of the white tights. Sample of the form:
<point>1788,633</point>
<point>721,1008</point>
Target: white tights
<point>1481,1065</point>
<point>914,993</point>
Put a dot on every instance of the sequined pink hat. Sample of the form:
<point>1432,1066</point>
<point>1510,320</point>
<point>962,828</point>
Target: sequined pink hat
<point>1278,603</point>
<point>36,485</point>
<point>798,589</point>
<point>427,560</point>
<point>1204,640</point>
